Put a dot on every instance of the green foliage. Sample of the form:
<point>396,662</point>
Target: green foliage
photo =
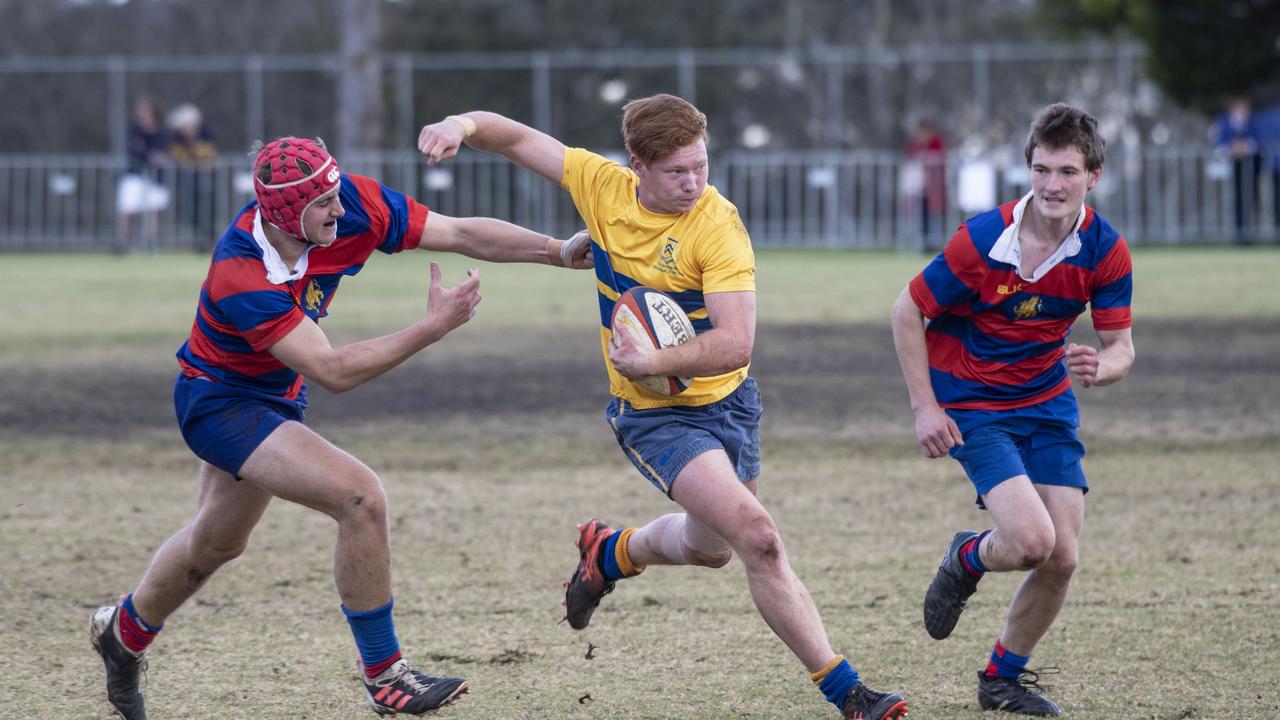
<point>1198,51</point>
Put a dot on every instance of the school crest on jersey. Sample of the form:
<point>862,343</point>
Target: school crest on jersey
<point>313,296</point>
<point>1027,309</point>
<point>667,259</point>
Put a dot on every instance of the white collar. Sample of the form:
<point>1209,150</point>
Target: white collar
<point>277,272</point>
<point>1007,249</point>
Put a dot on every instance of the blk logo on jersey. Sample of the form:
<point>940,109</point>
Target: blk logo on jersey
<point>667,260</point>
<point>313,297</point>
<point>1027,309</point>
<point>1009,289</point>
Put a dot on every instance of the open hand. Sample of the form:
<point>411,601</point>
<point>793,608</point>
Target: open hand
<point>449,308</point>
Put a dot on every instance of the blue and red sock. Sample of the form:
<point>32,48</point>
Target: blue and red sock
<point>1006,664</point>
<point>375,635</point>
<point>135,633</point>
<point>971,558</point>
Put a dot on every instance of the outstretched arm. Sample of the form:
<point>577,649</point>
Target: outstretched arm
<point>307,351</point>
<point>936,432</point>
<point>529,148</point>
<point>495,240</point>
<point>488,239</point>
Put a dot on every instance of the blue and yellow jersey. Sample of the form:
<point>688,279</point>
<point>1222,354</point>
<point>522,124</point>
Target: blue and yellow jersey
<point>705,250</point>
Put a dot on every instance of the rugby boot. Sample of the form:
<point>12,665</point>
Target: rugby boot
<point>403,688</point>
<point>588,584</point>
<point>1022,695</point>
<point>124,669</point>
<point>863,703</point>
<point>950,590</point>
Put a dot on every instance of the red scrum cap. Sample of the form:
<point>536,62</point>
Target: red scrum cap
<point>288,175</point>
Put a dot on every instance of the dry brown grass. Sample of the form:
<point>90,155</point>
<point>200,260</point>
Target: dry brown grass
<point>1174,613</point>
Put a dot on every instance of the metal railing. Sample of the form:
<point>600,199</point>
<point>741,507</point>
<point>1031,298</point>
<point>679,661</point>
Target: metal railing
<point>862,199</point>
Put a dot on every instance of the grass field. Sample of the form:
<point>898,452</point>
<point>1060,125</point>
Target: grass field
<point>492,447</point>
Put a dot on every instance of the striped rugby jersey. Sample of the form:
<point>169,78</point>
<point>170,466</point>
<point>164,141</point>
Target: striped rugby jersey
<point>701,251</point>
<point>249,300</point>
<point>996,340</point>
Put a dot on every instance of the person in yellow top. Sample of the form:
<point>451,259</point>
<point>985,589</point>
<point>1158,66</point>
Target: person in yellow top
<point>657,223</point>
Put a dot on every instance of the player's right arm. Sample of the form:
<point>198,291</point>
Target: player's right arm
<point>935,430</point>
<point>529,148</point>
<point>307,351</point>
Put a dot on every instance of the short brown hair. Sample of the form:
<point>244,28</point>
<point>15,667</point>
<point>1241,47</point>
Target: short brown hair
<point>654,127</point>
<point>1061,126</point>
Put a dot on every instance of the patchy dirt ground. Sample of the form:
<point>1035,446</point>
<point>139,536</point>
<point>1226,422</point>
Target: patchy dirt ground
<point>1192,380</point>
<point>484,460</point>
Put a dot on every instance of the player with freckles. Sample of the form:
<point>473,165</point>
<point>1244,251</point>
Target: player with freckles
<point>990,376</point>
<point>656,222</point>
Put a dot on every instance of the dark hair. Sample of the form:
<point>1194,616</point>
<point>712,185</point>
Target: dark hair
<point>1061,126</point>
<point>654,127</point>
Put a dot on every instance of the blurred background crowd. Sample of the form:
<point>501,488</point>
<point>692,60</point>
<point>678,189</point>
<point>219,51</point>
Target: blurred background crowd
<point>832,123</point>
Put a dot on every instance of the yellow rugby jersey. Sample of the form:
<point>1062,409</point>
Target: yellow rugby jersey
<point>704,250</point>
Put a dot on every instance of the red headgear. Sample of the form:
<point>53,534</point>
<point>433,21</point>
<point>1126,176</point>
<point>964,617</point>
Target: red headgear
<point>288,175</point>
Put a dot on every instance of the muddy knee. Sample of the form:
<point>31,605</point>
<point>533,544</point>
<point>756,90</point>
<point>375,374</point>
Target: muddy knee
<point>1035,551</point>
<point>363,500</point>
<point>761,542</point>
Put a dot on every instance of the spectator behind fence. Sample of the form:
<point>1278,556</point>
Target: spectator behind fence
<point>927,159</point>
<point>1267,123</point>
<point>1235,138</point>
<point>142,194</point>
<point>193,150</point>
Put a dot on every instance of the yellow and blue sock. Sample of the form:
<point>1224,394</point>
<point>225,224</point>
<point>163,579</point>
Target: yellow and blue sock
<point>1006,664</point>
<point>615,561</point>
<point>375,635</point>
<point>836,680</point>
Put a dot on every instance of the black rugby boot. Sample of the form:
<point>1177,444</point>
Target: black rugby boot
<point>950,590</point>
<point>1022,695</point>
<point>123,667</point>
<point>863,703</point>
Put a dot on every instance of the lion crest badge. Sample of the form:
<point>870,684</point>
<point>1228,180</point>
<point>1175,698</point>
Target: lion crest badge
<point>1027,309</point>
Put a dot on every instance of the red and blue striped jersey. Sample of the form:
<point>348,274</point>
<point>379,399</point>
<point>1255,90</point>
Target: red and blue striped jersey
<point>241,313</point>
<point>996,340</point>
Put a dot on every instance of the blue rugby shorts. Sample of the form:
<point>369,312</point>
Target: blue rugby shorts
<point>1018,444</point>
<point>661,441</point>
<point>223,425</point>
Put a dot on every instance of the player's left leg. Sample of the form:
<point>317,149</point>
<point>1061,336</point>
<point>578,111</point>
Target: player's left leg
<point>709,490</point>
<point>1006,683</point>
<point>1039,599</point>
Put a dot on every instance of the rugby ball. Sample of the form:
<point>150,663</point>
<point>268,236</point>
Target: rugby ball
<point>652,317</point>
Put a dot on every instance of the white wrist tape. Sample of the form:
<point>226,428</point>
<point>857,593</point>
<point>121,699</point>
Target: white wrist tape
<point>468,125</point>
<point>571,247</point>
